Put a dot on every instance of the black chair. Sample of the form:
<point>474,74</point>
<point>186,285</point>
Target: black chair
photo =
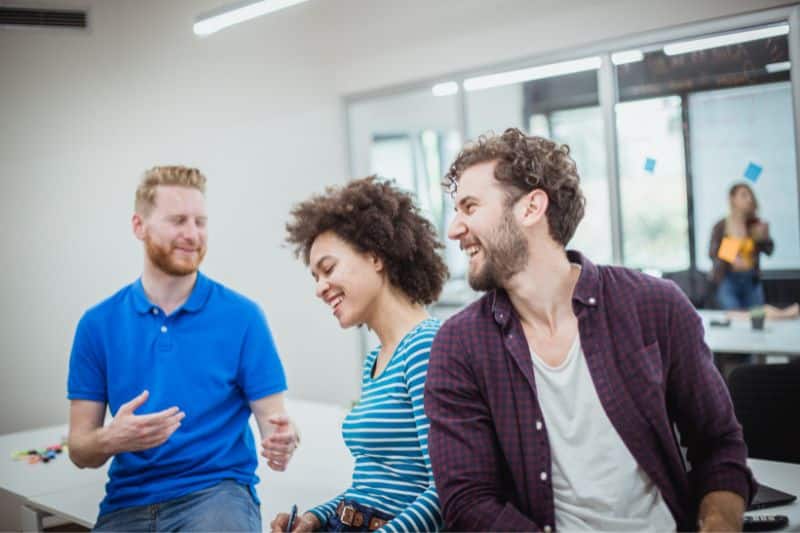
<point>696,285</point>
<point>766,399</point>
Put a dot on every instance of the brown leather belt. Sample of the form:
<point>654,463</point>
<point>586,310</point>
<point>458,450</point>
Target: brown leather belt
<point>350,516</point>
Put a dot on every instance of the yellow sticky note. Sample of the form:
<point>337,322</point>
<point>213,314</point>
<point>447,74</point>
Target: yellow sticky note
<point>729,248</point>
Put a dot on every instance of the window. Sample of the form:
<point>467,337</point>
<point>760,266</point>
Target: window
<point>652,184</point>
<point>690,113</point>
<point>734,130</point>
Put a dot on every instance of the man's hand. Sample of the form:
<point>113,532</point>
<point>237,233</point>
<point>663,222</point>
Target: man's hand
<point>721,511</point>
<point>281,443</point>
<point>129,432</point>
<point>303,524</point>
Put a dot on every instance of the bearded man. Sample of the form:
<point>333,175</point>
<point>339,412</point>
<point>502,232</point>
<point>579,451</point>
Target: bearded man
<point>553,399</point>
<point>181,362</point>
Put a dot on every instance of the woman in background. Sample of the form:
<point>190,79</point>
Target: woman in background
<point>737,242</point>
<point>375,262</point>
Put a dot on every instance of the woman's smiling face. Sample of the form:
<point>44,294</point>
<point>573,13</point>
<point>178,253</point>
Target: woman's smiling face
<point>347,280</point>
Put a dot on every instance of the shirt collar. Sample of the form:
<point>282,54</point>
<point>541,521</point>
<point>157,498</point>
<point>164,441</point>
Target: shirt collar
<point>587,290</point>
<point>195,302</point>
<point>199,296</point>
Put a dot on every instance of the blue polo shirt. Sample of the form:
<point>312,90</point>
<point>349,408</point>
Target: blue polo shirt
<point>210,358</point>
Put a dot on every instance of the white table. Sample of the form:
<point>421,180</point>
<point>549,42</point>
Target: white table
<point>320,469</point>
<point>22,481</point>
<point>782,476</point>
<point>780,337</point>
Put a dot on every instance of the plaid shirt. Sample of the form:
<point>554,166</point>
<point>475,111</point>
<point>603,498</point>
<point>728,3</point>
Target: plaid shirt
<point>644,347</point>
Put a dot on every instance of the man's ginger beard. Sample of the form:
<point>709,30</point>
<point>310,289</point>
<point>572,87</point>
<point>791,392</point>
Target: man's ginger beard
<point>161,257</point>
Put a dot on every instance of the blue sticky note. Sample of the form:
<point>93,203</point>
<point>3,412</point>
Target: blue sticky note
<point>753,171</point>
<point>649,165</point>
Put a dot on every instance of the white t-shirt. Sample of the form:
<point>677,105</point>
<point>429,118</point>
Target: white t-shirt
<point>597,484</point>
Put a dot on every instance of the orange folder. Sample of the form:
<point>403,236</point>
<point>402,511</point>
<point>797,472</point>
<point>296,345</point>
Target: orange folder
<point>729,249</point>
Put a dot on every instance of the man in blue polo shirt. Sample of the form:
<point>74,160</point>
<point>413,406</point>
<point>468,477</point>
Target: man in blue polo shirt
<point>181,361</point>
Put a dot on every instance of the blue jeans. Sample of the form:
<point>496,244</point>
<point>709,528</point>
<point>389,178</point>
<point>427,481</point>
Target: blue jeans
<point>740,290</point>
<point>227,506</point>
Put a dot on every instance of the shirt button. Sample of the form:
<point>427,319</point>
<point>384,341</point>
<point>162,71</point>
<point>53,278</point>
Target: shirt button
<point>163,329</point>
<point>592,301</point>
<point>155,311</point>
<point>538,425</point>
<point>543,476</point>
<point>547,529</point>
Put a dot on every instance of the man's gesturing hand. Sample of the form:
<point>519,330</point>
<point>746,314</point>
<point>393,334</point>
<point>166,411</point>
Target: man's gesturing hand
<point>280,445</point>
<point>129,432</point>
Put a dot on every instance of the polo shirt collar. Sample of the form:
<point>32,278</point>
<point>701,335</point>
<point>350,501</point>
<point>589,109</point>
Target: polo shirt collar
<point>587,290</point>
<point>199,296</point>
<point>140,301</point>
<point>195,302</point>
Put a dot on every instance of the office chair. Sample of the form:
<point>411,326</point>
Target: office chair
<point>766,399</point>
<point>696,285</point>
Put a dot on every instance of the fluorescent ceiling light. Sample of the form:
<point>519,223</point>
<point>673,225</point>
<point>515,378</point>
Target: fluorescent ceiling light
<point>532,73</point>
<point>724,40</point>
<point>778,67</point>
<point>445,89</point>
<point>628,56</point>
<point>237,13</point>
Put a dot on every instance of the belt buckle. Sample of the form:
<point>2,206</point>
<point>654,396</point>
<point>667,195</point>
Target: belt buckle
<point>347,516</point>
<point>375,523</point>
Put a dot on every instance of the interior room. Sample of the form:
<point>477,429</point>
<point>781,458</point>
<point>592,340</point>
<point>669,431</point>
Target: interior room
<point>665,106</point>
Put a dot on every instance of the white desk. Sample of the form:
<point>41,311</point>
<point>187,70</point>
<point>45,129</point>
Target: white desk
<point>24,481</point>
<point>778,336</point>
<point>320,469</point>
<point>782,476</point>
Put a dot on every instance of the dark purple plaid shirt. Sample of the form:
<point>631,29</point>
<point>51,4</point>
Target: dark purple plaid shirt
<point>644,347</point>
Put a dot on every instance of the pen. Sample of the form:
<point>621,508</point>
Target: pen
<point>292,516</point>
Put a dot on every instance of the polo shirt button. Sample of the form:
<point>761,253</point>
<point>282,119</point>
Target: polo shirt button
<point>163,329</point>
<point>510,336</point>
<point>538,425</point>
<point>543,476</point>
<point>155,311</point>
<point>592,301</point>
<point>547,529</point>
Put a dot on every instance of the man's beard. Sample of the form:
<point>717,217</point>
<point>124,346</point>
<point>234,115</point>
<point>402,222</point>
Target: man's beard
<point>161,257</point>
<point>505,253</point>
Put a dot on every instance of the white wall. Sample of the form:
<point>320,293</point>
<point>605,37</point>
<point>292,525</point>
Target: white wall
<point>256,107</point>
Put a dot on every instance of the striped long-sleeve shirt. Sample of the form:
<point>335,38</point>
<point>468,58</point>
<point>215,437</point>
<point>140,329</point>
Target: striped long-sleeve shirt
<point>387,434</point>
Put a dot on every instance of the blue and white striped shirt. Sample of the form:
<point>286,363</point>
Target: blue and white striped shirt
<point>387,434</point>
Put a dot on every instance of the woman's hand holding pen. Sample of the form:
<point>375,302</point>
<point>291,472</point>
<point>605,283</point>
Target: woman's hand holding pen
<point>305,523</point>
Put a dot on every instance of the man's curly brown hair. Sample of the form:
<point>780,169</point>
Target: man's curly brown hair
<point>525,163</point>
<point>375,216</point>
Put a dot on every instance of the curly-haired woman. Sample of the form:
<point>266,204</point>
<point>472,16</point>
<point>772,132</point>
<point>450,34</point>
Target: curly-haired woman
<point>375,261</point>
